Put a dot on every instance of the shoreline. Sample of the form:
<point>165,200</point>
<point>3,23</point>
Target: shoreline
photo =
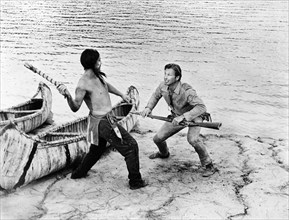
<point>252,182</point>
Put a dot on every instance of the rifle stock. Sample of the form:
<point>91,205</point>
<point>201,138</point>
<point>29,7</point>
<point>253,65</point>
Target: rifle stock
<point>211,125</point>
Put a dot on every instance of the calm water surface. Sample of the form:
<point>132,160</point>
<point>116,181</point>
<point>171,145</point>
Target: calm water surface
<point>234,53</point>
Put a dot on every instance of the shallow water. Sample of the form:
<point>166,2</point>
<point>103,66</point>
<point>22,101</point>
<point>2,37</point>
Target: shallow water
<point>234,53</point>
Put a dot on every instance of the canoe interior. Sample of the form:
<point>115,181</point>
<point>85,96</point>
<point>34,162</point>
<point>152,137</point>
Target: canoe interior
<point>78,128</point>
<point>22,110</point>
<point>122,110</point>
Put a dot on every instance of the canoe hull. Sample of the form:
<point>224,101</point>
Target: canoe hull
<point>30,114</point>
<point>26,158</point>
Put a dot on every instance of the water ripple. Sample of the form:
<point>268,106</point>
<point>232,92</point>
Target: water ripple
<point>234,53</point>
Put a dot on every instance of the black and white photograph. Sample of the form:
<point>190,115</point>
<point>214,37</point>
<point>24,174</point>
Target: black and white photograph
<point>144,110</point>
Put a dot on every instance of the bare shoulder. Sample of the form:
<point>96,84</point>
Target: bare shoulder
<point>83,81</point>
<point>81,86</point>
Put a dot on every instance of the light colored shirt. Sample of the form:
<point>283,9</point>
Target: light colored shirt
<point>185,100</point>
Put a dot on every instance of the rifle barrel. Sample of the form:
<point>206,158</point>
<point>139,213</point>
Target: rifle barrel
<point>212,125</point>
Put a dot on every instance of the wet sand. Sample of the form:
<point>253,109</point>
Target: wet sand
<point>251,183</point>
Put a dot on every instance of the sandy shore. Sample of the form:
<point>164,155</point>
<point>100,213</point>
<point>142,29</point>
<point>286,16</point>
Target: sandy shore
<point>252,183</point>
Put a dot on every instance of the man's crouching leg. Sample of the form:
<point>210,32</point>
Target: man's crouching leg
<point>205,159</point>
<point>128,148</point>
<point>132,162</point>
<point>200,148</point>
<point>89,160</point>
<point>163,149</point>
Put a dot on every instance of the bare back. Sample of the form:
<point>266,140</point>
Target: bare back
<point>96,95</point>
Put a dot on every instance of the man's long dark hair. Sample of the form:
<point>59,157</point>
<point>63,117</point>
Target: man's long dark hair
<point>88,60</point>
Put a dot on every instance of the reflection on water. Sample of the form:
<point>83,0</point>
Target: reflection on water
<point>234,53</point>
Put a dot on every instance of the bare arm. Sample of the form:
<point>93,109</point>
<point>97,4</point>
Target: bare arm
<point>115,91</point>
<point>74,104</point>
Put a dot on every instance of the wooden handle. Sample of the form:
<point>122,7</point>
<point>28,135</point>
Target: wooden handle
<point>45,76</point>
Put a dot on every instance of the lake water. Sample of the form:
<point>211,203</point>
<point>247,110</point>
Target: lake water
<point>234,53</point>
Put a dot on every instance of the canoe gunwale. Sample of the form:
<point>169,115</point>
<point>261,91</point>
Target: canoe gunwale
<point>18,112</point>
<point>46,104</point>
<point>48,144</point>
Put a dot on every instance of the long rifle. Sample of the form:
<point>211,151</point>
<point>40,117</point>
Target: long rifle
<point>45,76</point>
<point>212,125</point>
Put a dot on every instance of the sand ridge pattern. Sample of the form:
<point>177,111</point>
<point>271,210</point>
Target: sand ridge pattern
<point>251,183</point>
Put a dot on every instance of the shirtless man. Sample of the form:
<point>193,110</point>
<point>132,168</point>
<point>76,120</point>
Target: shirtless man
<point>102,126</point>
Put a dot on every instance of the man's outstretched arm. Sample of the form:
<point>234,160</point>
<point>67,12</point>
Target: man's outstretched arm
<point>74,104</point>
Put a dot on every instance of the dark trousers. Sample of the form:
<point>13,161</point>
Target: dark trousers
<point>127,147</point>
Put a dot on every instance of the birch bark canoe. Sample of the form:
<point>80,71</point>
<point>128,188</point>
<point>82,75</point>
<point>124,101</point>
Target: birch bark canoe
<point>30,114</point>
<point>24,158</point>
